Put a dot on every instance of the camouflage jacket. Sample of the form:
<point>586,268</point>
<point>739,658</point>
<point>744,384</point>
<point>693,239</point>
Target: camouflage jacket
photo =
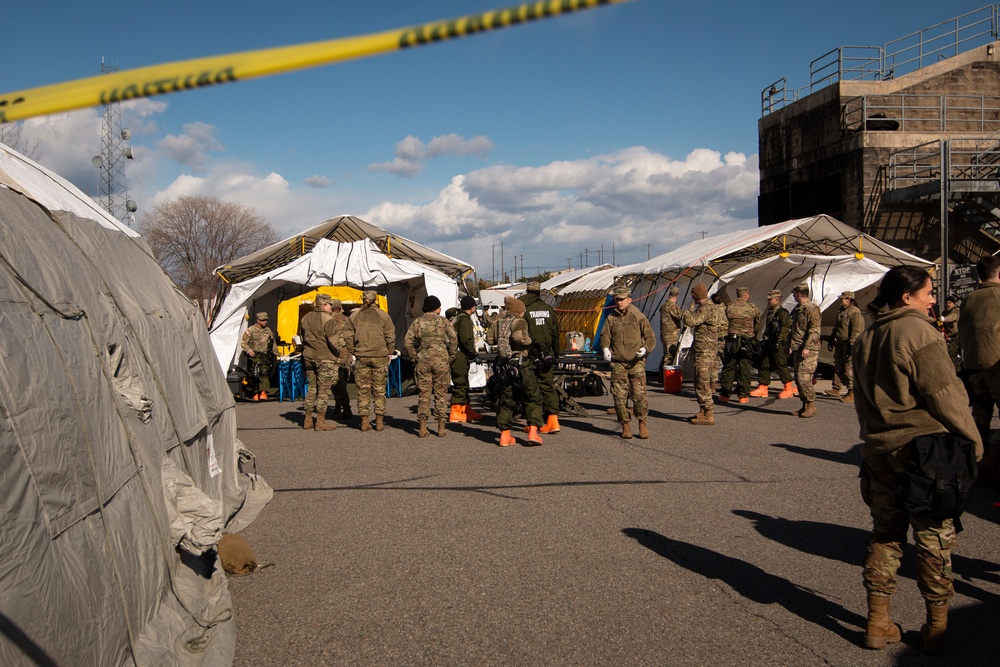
<point>805,328</point>
<point>369,333</point>
<point>431,337</point>
<point>670,322</point>
<point>257,338</point>
<point>509,334</point>
<point>624,333</point>
<point>849,326</point>
<point>950,318</point>
<point>744,318</point>
<point>704,320</point>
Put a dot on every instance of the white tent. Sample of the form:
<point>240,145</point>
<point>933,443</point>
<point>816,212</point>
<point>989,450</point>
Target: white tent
<point>820,250</point>
<point>358,264</point>
<point>120,463</point>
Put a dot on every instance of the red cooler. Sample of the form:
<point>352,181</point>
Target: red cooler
<point>672,379</point>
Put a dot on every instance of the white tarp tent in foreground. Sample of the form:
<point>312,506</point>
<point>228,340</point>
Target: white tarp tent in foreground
<point>360,264</point>
<point>820,250</point>
<point>119,463</point>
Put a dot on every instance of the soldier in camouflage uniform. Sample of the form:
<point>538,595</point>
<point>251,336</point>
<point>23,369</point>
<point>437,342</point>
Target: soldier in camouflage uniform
<point>702,316</point>
<point>670,326</point>
<point>949,322</point>
<point>804,344</point>
<point>258,344</point>
<point>774,344</point>
<point>721,323</point>
<point>509,334</point>
<point>849,326</point>
<point>626,339</point>
<point>543,327</point>
<point>371,338</point>
<point>461,411</point>
<point>906,389</point>
<point>431,341</point>
<point>341,399</point>
<point>322,342</point>
<point>744,321</point>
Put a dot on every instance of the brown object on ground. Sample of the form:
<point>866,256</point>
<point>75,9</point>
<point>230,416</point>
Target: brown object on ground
<point>808,410</point>
<point>235,554</point>
<point>626,431</point>
<point>321,424</point>
<point>423,432</point>
<point>379,425</point>
<point>643,431</point>
<point>441,431</point>
<point>933,630</point>
<point>704,418</point>
<point>309,421</point>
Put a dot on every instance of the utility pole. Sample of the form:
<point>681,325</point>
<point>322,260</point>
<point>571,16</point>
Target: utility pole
<point>503,267</point>
<point>613,260</point>
<point>569,263</point>
<point>647,251</point>
<point>522,266</point>
<point>602,252</point>
<point>493,259</point>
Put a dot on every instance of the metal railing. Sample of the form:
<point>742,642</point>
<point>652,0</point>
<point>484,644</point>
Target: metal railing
<point>970,159</point>
<point>893,59</point>
<point>907,112</point>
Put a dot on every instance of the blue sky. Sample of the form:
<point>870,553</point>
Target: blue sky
<point>632,126</point>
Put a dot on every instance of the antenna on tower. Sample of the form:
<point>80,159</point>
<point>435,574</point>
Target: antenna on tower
<point>114,195</point>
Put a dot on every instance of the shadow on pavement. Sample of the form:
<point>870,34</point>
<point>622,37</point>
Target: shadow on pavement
<point>851,457</point>
<point>754,584</point>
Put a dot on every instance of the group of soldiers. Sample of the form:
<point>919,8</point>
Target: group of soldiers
<point>726,337</point>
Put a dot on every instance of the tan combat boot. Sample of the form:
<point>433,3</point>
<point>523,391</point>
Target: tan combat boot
<point>379,426</point>
<point>880,630</point>
<point>441,431</point>
<point>833,391</point>
<point>366,424</point>
<point>706,418</point>
<point>321,424</point>
<point>626,431</point>
<point>701,413</point>
<point>308,422</point>
<point>809,410</point>
<point>933,631</point>
<point>848,397</point>
<point>643,431</point>
<point>423,432</point>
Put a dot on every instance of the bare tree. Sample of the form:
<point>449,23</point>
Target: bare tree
<point>12,135</point>
<point>191,236</point>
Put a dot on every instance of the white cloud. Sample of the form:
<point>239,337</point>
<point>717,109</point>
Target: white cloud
<point>191,148</point>
<point>317,181</point>
<point>412,154</point>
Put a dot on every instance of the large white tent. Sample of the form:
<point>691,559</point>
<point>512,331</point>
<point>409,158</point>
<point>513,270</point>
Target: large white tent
<point>119,463</point>
<point>359,264</point>
<point>822,251</point>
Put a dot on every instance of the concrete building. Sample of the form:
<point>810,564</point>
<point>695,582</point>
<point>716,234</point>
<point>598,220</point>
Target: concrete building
<point>863,141</point>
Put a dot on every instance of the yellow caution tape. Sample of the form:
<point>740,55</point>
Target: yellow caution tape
<point>215,70</point>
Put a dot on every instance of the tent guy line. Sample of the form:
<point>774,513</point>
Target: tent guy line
<point>201,72</point>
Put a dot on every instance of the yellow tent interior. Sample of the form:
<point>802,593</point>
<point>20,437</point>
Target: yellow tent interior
<point>290,311</point>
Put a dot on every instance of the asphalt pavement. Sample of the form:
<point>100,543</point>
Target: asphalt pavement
<point>736,544</point>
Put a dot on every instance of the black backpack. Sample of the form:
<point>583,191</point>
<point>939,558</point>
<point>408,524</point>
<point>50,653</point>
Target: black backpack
<point>939,476</point>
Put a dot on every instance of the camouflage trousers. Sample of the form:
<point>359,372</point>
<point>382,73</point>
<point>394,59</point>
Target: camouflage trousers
<point>526,389</point>
<point>321,376</point>
<point>774,359</point>
<point>934,538</point>
<point>629,381</point>
<point>705,366</point>
<point>460,379</point>
<point>371,376</point>
<point>805,369</point>
<point>843,373</point>
<point>432,377</point>
<point>670,353</point>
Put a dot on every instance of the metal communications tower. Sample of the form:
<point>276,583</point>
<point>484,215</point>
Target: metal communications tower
<point>113,196</point>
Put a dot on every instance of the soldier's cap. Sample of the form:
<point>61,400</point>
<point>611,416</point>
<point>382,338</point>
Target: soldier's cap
<point>700,291</point>
<point>951,297</point>
<point>534,286</point>
<point>431,303</point>
<point>369,295</point>
<point>513,305</point>
<point>740,291</point>
<point>336,303</point>
<point>675,291</point>
<point>324,298</point>
<point>802,288</point>
<point>622,293</point>
<point>774,294</point>
<point>467,302</point>
<point>262,315</point>
<point>846,294</point>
